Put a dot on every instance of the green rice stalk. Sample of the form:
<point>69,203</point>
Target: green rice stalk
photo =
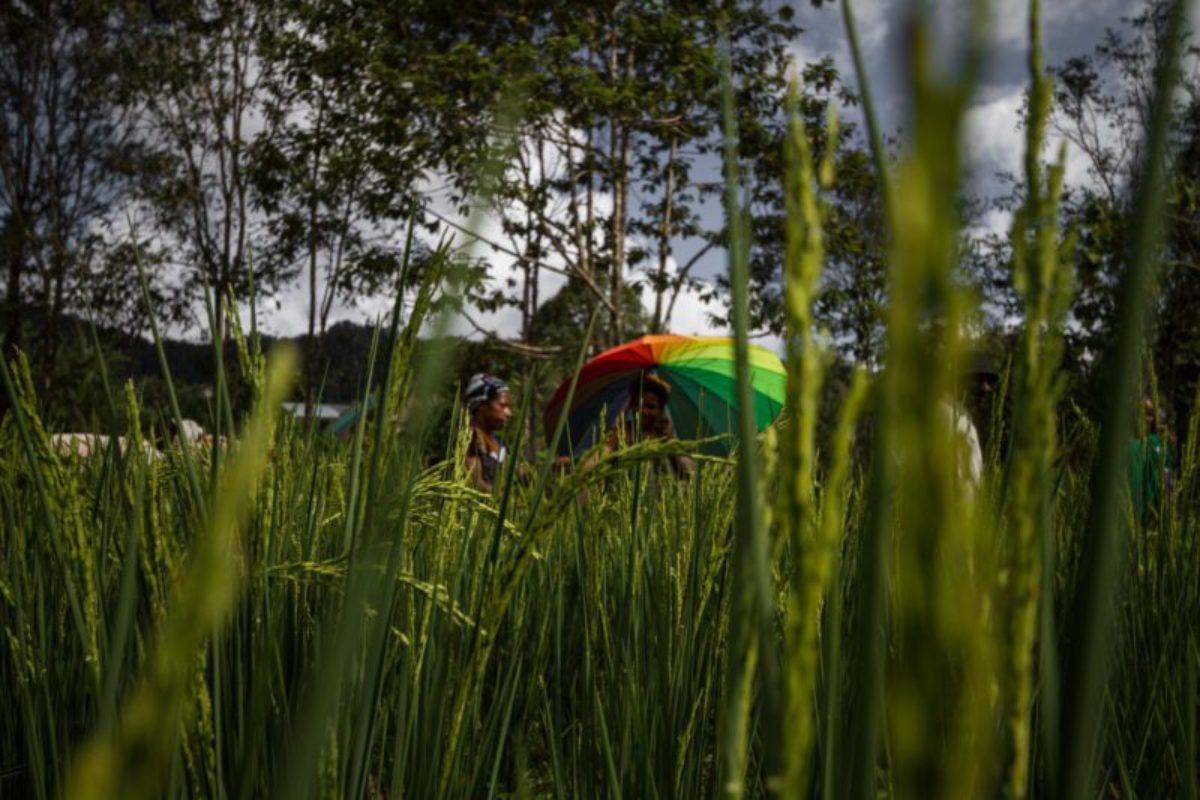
<point>874,132</point>
<point>937,688</point>
<point>252,364</point>
<point>812,553</point>
<point>865,646</point>
<point>185,447</point>
<point>1044,287</point>
<point>1100,580</point>
<point>64,515</point>
<point>752,613</point>
<point>124,610</point>
<point>835,524</point>
<point>133,760</point>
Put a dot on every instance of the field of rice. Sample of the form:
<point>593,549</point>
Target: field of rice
<point>289,615</point>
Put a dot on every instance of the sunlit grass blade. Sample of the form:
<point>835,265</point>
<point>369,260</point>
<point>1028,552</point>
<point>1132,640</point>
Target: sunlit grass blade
<point>752,613</point>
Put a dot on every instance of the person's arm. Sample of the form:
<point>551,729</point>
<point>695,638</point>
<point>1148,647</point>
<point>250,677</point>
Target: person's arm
<point>475,473</point>
<point>685,467</point>
<point>474,464</point>
<point>593,457</point>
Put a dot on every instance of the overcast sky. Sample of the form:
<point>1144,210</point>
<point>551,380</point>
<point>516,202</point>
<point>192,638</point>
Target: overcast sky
<point>1069,28</point>
<point>994,139</point>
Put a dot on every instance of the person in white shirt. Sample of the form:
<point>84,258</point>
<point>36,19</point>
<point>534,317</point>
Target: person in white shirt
<point>976,384</point>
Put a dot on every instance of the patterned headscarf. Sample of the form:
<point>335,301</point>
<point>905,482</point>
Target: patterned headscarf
<point>481,388</point>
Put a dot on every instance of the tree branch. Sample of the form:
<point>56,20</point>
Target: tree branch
<point>529,350</point>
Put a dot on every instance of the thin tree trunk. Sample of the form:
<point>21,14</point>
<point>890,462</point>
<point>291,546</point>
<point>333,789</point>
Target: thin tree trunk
<point>589,226</point>
<point>619,141</point>
<point>664,237</point>
<point>312,356</point>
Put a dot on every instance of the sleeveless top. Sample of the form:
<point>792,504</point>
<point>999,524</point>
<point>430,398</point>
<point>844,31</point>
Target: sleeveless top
<point>489,462</point>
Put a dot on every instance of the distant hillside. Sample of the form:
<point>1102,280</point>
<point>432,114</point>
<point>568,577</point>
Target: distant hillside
<point>72,396</point>
<point>344,352</point>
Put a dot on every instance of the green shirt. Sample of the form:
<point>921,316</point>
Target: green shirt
<point>1147,472</point>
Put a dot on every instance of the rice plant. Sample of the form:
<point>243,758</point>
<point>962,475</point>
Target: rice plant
<point>291,615</point>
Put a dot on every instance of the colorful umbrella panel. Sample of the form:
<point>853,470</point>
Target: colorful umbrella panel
<point>701,372</point>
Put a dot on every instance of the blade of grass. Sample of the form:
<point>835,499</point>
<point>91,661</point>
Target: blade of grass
<point>134,761</point>
<point>874,134</point>
<point>752,614</point>
<point>185,446</point>
<point>1093,608</point>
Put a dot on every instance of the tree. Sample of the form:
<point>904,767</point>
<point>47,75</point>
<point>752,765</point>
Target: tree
<point>200,86</point>
<point>618,109</point>
<point>64,129</point>
<point>335,193</point>
<point>1102,103</point>
<point>849,306</point>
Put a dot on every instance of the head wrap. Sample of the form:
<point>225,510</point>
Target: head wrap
<point>481,388</point>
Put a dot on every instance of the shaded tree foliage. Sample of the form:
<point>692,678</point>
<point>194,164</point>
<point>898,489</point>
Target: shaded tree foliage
<point>65,133</point>
<point>1102,102</point>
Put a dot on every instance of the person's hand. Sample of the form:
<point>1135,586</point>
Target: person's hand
<point>685,467</point>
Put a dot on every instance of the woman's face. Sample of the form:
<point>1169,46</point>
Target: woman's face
<point>495,413</point>
<point>651,411</point>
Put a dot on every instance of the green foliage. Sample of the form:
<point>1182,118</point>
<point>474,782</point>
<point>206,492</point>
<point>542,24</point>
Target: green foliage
<point>850,304</point>
<point>1100,105</point>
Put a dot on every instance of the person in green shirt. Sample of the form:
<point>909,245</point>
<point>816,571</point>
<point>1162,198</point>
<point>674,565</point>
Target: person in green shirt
<point>1148,471</point>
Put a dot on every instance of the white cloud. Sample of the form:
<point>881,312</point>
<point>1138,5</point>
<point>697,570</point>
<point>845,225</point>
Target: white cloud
<point>994,221</point>
<point>993,138</point>
<point>690,315</point>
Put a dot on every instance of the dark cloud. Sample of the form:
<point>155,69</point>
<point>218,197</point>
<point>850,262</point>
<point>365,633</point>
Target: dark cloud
<point>1069,27</point>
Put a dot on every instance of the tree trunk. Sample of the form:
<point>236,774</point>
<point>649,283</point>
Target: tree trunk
<point>619,141</point>
<point>312,353</point>
<point>664,238</point>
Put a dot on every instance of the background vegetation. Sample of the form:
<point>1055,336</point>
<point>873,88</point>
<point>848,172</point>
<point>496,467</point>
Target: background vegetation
<point>293,143</point>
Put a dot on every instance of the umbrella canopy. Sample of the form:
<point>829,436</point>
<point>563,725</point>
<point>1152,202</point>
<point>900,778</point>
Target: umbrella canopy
<point>701,372</point>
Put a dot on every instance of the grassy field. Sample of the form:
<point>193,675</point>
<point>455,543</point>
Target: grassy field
<point>293,616</point>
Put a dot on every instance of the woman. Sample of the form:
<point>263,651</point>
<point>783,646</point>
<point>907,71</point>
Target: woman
<point>648,397</point>
<point>489,406</point>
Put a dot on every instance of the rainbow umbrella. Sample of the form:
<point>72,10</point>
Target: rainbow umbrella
<point>700,370</point>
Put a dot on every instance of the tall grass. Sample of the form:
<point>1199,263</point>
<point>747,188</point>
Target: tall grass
<point>297,616</point>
